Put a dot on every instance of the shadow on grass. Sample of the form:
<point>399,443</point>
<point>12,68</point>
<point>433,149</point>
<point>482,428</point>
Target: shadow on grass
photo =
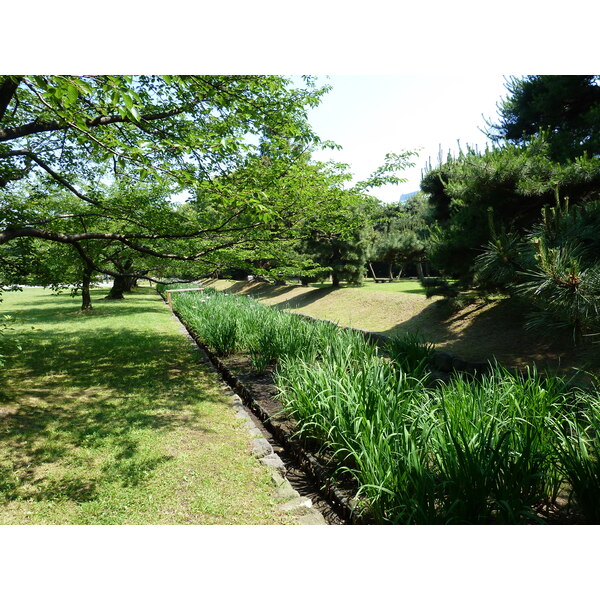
<point>380,287</point>
<point>307,298</point>
<point>485,332</point>
<point>258,290</point>
<point>61,308</point>
<point>88,396</point>
<point>264,291</point>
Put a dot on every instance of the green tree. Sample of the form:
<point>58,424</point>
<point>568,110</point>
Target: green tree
<point>555,268</point>
<point>564,108</point>
<point>401,234</point>
<point>340,242</point>
<point>72,133</point>
<point>514,182</point>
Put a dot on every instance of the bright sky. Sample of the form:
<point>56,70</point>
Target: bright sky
<point>371,115</point>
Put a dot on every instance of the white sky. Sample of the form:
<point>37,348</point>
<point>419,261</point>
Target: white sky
<point>371,115</point>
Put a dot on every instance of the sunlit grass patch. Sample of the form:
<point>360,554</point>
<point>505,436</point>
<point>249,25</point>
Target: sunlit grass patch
<point>104,416</point>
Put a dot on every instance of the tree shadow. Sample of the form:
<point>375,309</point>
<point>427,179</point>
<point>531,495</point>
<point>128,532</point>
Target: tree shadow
<point>259,290</point>
<point>494,331</point>
<point>306,298</point>
<point>92,393</point>
<point>57,307</point>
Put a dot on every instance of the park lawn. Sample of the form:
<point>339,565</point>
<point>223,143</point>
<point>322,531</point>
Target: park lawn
<point>110,418</point>
<point>408,286</point>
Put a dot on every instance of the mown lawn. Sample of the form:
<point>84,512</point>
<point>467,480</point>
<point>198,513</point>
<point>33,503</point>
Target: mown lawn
<point>110,418</point>
<point>408,286</point>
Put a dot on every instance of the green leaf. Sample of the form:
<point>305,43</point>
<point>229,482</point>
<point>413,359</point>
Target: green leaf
<point>72,94</point>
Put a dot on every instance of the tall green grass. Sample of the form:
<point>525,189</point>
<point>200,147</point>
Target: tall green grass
<point>491,450</point>
<point>492,446</point>
<point>577,437</point>
<point>410,352</point>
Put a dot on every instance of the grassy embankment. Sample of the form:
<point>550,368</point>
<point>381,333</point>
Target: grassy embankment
<point>502,449</point>
<point>478,332</point>
<point>109,418</point>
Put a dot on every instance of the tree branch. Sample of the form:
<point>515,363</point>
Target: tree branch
<point>40,127</point>
<point>7,91</point>
<point>52,173</point>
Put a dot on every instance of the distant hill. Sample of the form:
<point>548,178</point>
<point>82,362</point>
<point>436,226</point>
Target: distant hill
<point>405,197</point>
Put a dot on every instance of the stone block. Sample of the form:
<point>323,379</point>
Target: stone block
<point>261,447</point>
<point>458,364</point>
<point>301,505</point>
<point>272,461</point>
<point>311,518</point>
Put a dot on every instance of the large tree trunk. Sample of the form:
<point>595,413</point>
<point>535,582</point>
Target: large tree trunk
<point>130,283</point>
<point>86,298</point>
<point>420,271</point>
<point>335,279</point>
<point>120,285</point>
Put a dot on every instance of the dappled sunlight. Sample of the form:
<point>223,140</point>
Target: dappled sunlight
<point>96,405</point>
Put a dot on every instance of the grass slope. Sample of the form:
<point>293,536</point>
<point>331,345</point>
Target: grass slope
<point>108,418</point>
<point>478,332</point>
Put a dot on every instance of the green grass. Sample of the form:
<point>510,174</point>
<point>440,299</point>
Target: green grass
<point>108,418</point>
<point>468,451</point>
<point>480,332</point>
<point>407,286</point>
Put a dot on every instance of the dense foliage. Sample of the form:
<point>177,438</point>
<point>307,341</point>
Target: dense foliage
<point>225,138</point>
<point>131,173</point>
<point>400,235</point>
<point>521,218</point>
<point>565,109</point>
<point>516,183</point>
<point>497,450</point>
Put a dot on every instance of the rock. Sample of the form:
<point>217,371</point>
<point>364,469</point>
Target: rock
<point>312,518</point>
<point>479,368</point>
<point>272,461</point>
<point>286,491</point>
<point>458,364</point>
<point>261,447</point>
<point>301,505</point>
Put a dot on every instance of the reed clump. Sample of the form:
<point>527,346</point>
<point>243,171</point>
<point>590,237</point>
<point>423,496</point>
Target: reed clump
<point>469,451</point>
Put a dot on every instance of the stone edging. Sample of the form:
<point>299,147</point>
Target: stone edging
<point>299,507</point>
<point>305,459</point>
